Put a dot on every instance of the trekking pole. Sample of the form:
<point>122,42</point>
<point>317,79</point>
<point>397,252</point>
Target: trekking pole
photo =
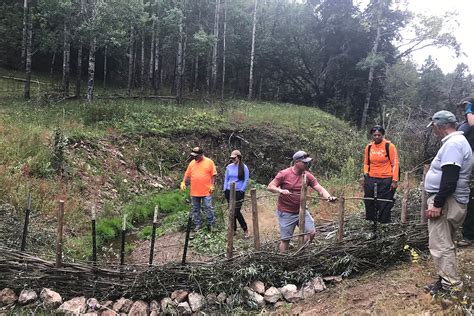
<point>376,211</point>
<point>186,240</point>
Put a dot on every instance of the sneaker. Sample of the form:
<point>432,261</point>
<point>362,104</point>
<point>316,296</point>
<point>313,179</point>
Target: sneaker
<point>434,288</point>
<point>464,242</point>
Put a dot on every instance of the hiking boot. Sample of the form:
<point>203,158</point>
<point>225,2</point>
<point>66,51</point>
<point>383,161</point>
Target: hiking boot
<point>464,242</point>
<point>434,288</point>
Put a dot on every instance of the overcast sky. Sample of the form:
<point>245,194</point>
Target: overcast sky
<point>464,33</point>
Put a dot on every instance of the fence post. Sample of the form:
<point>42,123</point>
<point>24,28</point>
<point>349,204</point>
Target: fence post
<point>122,244</point>
<point>153,235</point>
<point>256,232</point>
<point>230,228</point>
<point>186,240</point>
<point>94,237</point>
<point>25,225</point>
<point>340,230</point>
<point>424,195</point>
<point>404,215</point>
<point>59,237</point>
<point>301,222</point>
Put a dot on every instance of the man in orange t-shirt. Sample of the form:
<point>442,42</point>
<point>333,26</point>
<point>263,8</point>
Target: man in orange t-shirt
<point>381,167</point>
<point>200,175</point>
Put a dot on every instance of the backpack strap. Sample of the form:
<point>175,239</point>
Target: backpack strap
<point>368,155</point>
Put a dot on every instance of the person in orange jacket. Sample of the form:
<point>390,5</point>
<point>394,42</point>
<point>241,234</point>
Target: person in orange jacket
<point>200,175</point>
<point>381,166</point>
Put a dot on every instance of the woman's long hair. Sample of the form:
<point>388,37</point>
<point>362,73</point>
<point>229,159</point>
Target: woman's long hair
<point>241,174</point>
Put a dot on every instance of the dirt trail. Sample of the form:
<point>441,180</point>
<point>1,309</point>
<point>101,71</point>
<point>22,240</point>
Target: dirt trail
<point>396,291</point>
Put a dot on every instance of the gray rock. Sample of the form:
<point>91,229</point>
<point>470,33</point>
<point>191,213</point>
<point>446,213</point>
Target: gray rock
<point>307,290</point>
<point>92,305</point>
<point>258,286</point>
<point>7,297</point>
<point>27,296</point>
<point>74,306</point>
<point>166,305</point>
<point>290,293</point>
<point>154,308</point>
<point>50,298</point>
<point>221,298</point>
<point>333,278</point>
<point>318,284</point>
<point>196,301</point>
<point>272,295</point>
<point>234,300</point>
<point>211,299</point>
<point>184,308</point>
<point>179,296</point>
<point>253,299</point>
<point>123,305</point>
<point>139,308</point>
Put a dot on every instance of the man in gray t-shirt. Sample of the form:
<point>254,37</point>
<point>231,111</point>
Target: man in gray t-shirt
<point>447,182</point>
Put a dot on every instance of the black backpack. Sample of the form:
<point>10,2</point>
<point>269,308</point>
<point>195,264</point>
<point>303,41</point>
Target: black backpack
<point>387,153</point>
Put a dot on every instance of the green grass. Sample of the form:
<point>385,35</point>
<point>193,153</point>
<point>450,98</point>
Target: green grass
<point>156,135</point>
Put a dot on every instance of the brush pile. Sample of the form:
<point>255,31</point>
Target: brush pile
<point>363,249</point>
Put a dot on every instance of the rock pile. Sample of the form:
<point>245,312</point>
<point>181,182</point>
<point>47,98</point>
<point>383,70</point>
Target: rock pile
<point>255,296</point>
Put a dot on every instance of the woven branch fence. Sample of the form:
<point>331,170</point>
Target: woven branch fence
<point>358,253</point>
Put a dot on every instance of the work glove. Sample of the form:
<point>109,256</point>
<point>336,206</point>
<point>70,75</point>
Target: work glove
<point>332,199</point>
<point>467,108</point>
<point>394,185</point>
<point>211,188</point>
<point>182,186</point>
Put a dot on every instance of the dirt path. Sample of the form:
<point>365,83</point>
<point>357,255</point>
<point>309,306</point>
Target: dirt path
<point>396,291</point>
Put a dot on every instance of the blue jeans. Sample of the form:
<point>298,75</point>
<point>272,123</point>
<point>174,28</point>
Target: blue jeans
<point>196,202</point>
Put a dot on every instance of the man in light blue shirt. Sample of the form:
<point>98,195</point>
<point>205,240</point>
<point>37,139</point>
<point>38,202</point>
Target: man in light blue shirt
<point>447,182</point>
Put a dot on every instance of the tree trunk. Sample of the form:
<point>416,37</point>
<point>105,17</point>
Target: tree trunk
<point>252,51</point>
<point>214,50</point>
<point>66,57</point>
<point>79,71</point>
<point>179,62</point>
<point>196,74</point>
<point>370,80</point>
<point>224,49</point>
<point>130,63</point>
<point>151,69</point>
<point>158,64</point>
<point>51,69</point>
<point>25,34</point>
<point>91,72</point>
<point>105,67</point>
<point>29,42</point>
<point>142,65</point>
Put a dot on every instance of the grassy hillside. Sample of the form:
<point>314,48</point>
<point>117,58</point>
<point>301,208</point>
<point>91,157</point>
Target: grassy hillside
<point>117,155</point>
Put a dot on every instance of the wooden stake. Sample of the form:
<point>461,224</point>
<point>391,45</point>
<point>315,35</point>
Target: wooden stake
<point>424,196</point>
<point>94,236</point>
<point>256,232</point>
<point>301,221</point>
<point>25,225</point>
<point>153,236</point>
<point>404,215</point>
<point>340,231</point>
<point>122,244</point>
<point>230,228</point>
<point>59,237</point>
